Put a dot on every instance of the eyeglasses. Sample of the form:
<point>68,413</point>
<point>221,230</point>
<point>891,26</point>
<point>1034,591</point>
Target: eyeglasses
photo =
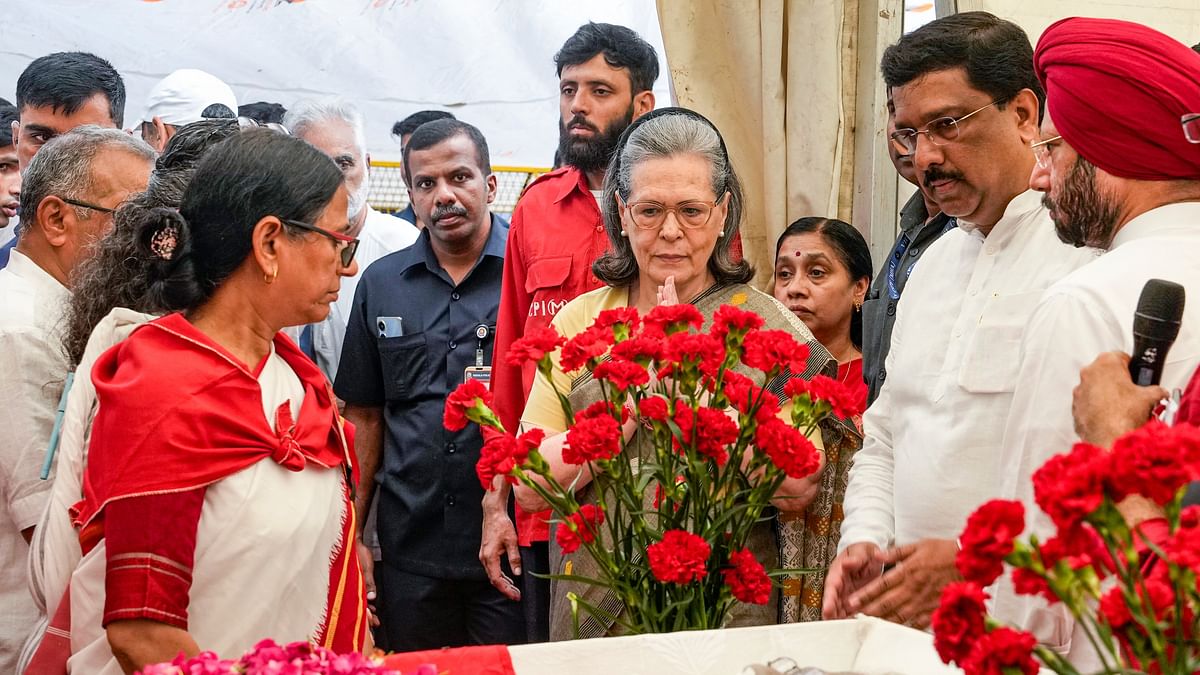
<point>1191,127</point>
<point>1041,151</point>
<point>693,214</point>
<point>251,123</point>
<point>348,245</point>
<point>941,131</point>
<point>86,205</point>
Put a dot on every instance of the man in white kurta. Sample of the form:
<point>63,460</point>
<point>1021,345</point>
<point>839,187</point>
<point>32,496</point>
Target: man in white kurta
<point>1119,173</point>
<point>933,435</point>
<point>336,127</point>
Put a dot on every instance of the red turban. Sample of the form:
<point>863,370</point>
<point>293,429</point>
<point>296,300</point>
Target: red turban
<point>1116,92</point>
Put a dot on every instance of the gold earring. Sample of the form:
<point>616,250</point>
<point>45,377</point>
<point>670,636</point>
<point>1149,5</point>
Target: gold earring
<point>858,305</point>
<point>270,278</point>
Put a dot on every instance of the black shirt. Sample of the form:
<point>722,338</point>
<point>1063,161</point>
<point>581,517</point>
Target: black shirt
<point>430,515</point>
<point>879,309</point>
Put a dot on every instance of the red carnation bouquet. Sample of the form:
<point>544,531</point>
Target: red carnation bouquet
<point>722,446</point>
<point>1132,590</point>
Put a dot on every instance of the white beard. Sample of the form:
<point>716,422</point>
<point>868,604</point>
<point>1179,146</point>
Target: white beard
<point>356,200</point>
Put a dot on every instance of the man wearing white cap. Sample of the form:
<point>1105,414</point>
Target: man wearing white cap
<point>185,96</point>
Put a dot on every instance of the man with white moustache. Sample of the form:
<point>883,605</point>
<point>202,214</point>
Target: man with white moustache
<point>336,127</point>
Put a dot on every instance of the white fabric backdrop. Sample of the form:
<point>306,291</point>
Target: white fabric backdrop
<point>490,62</point>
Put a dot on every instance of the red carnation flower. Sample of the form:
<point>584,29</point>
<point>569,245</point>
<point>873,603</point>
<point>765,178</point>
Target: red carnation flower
<point>1028,582</point>
<point>655,408</point>
<point>958,622</point>
<point>1079,546</point>
<point>668,319</point>
<point>743,393</point>
<point>534,346</point>
<point>747,578</point>
<point>1183,548</point>
<point>502,453</point>
<point>461,400</point>
<point>1070,486</point>
<point>1113,608</point>
<point>696,348</point>
<point>847,400</point>
<point>1151,461</point>
<point>584,348</point>
<point>988,539</point>
<point>729,319</point>
<point>1002,651</point>
<point>623,316</point>
<point>596,435</point>
<point>580,527</point>
<point>768,350</point>
<point>1156,594</point>
<point>709,429</point>
<point>788,449</point>
<point>679,558</point>
<point>621,374</point>
<point>640,349</point>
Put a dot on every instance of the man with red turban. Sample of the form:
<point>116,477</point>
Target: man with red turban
<point>1119,173</point>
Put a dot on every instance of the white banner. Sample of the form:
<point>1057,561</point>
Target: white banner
<point>490,62</point>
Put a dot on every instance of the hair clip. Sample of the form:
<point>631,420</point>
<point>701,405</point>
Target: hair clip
<point>164,241</point>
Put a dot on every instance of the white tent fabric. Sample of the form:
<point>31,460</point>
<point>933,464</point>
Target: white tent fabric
<point>490,62</point>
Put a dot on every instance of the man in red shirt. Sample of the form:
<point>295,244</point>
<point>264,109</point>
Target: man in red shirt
<point>606,74</point>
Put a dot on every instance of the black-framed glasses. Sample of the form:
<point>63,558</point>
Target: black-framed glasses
<point>347,245</point>
<point>87,205</point>
<point>941,131</point>
<point>692,214</point>
<point>1041,151</point>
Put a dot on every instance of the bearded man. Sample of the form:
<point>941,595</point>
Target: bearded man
<point>335,127</point>
<point>606,74</point>
<point>1120,172</point>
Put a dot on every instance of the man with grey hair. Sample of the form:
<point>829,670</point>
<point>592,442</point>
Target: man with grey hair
<point>69,192</point>
<point>335,126</point>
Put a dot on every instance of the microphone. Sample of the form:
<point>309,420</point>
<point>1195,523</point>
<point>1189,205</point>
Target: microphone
<point>1155,327</point>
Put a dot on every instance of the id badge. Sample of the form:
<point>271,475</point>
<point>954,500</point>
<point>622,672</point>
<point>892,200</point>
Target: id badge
<point>481,373</point>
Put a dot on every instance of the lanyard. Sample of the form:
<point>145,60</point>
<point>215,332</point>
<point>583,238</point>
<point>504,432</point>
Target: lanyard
<point>898,253</point>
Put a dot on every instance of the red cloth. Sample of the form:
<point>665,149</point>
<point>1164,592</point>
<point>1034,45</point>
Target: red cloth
<point>169,392</point>
<point>178,412</point>
<point>485,660</point>
<point>149,574</point>
<point>1116,91</point>
<point>555,235</point>
<point>1189,404</point>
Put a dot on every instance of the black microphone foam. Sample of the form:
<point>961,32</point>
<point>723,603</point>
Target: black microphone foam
<point>1155,327</point>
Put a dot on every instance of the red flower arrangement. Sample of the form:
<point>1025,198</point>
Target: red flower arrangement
<point>669,531</point>
<point>1132,590</point>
